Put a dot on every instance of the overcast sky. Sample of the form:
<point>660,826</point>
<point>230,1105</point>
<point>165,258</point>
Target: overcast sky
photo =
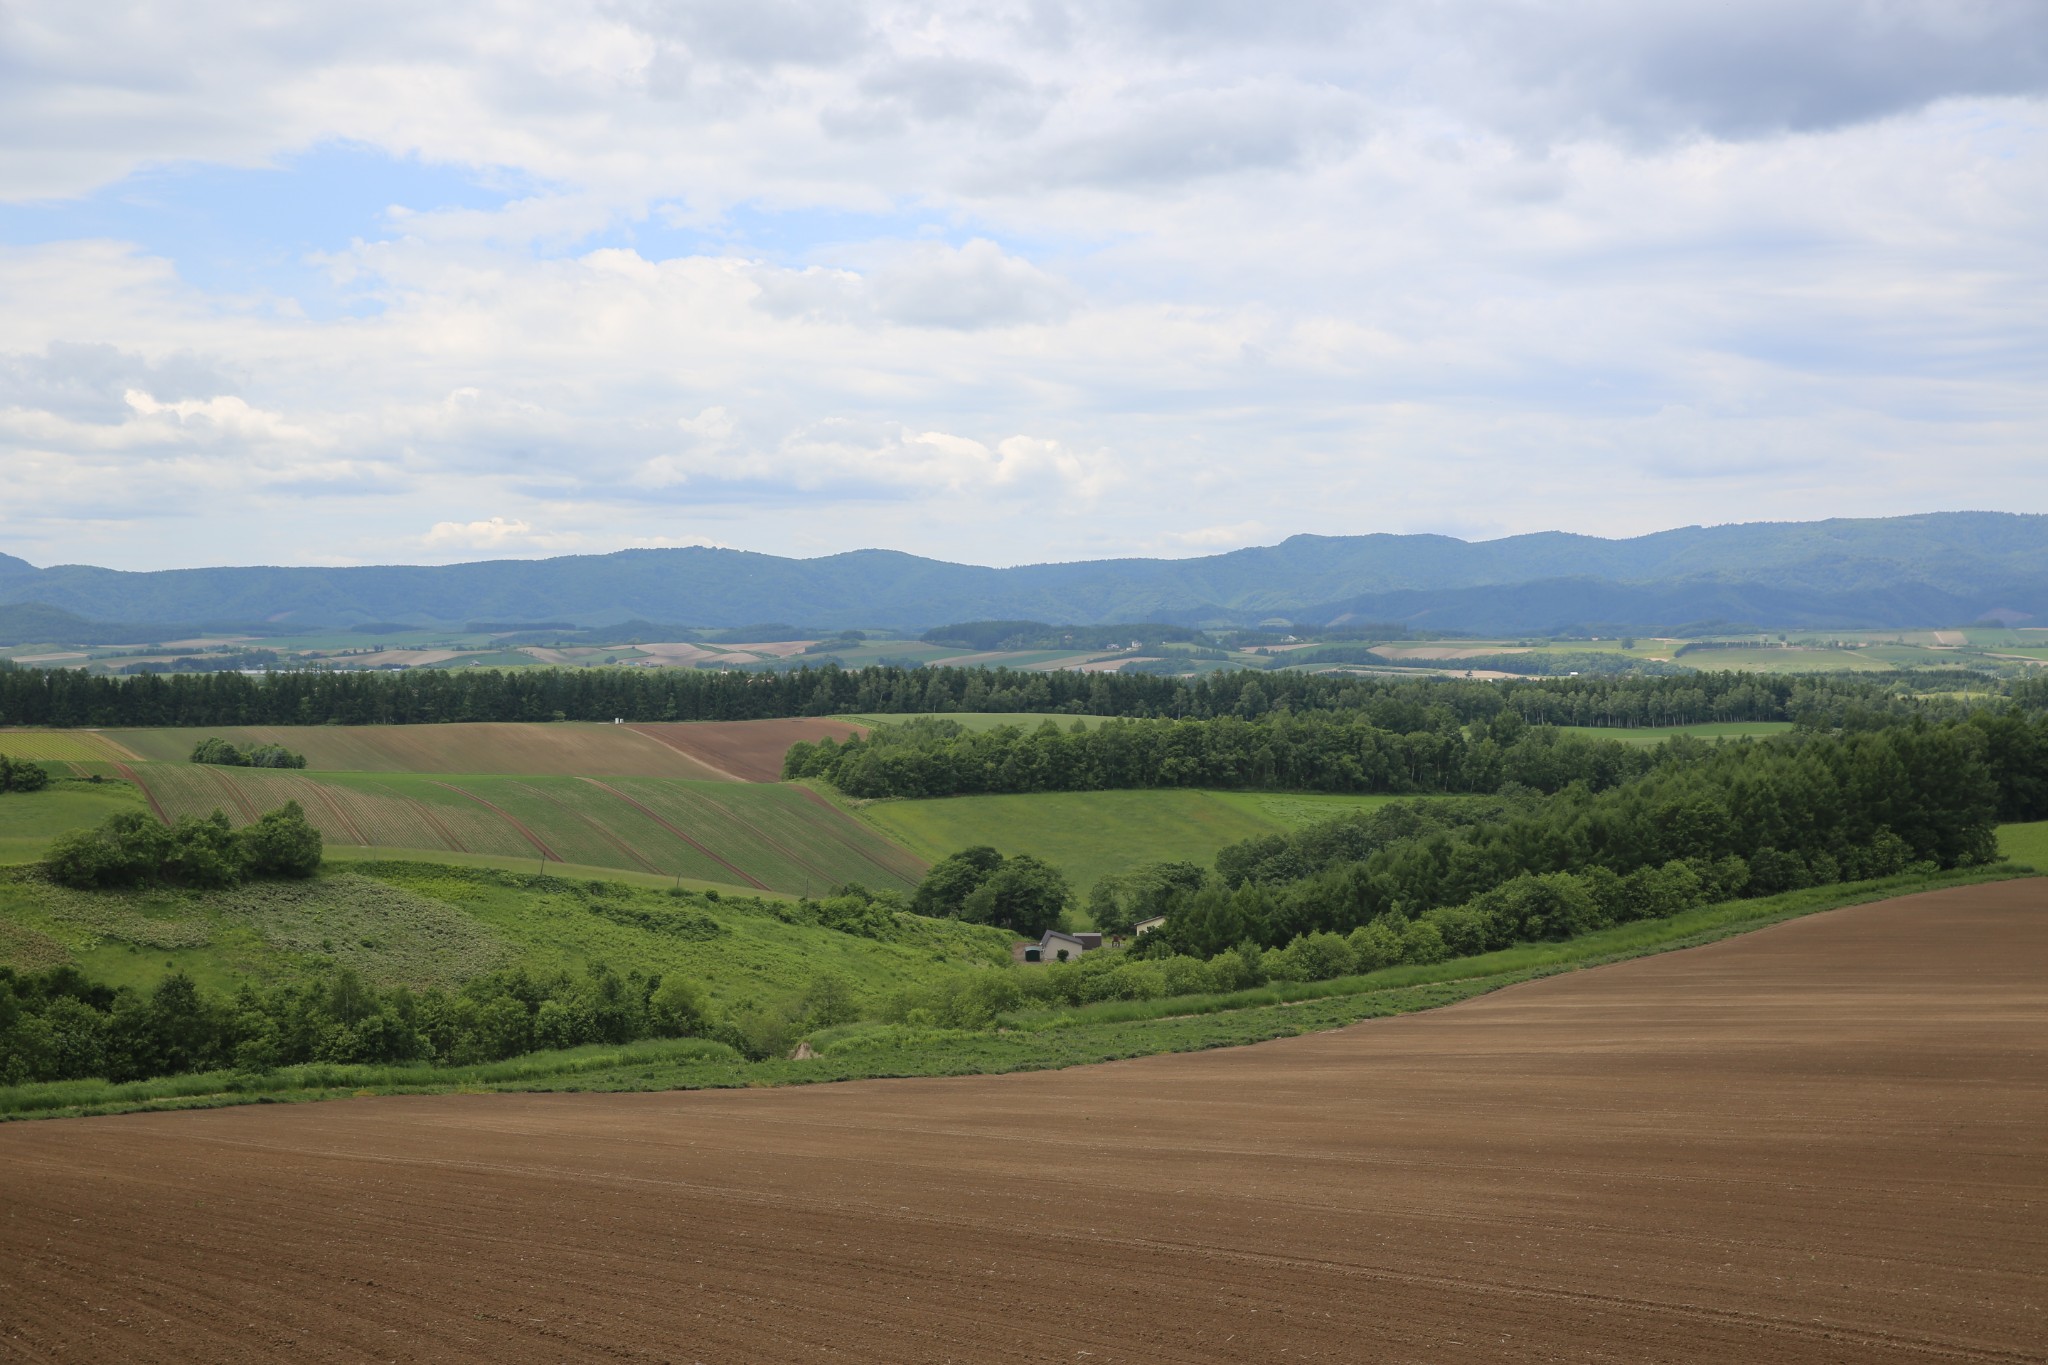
<point>1007,282</point>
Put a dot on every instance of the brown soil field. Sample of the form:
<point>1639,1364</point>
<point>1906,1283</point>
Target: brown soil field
<point>564,749</point>
<point>745,750</point>
<point>1825,1141</point>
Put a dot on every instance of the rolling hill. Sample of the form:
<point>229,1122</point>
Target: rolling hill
<point>1939,568</point>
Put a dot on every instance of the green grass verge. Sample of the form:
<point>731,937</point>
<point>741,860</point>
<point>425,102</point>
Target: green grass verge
<point>1091,1034</point>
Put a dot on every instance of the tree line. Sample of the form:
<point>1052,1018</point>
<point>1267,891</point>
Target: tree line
<point>1312,751</point>
<point>67,697</point>
<point>1740,820</point>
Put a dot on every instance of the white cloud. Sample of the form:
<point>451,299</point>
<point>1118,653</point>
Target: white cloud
<point>1032,280</point>
<point>497,533</point>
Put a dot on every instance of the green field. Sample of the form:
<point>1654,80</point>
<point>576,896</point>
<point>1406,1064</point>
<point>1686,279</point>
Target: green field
<point>2025,844</point>
<point>1657,734</point>
<point>1089,835</point>
<point>761,836</point>
<point>72,746</point>
<point>421,924</point>
<point>29,820</point>
<point>978,721</point>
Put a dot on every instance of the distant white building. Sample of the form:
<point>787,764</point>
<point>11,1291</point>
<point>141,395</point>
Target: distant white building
<point>1146,926</point>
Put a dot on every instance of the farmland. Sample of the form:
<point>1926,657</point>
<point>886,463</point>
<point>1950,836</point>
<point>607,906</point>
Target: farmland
<point>1088,835</point>
<point>568,749</point>
<point>763,836</point>
<point>1820,1141</point>
<point>64,746</point>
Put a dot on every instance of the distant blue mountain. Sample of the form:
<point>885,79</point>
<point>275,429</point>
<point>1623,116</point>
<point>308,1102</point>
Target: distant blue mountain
<point>1938,569</point>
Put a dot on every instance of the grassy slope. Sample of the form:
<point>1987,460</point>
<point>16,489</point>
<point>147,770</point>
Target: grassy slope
<point>1077,1037</point>
<point>777,835</point>
<point>29,820</point>
<point>423,924</point>
<point>569,747</point>
<point>1088,835</point>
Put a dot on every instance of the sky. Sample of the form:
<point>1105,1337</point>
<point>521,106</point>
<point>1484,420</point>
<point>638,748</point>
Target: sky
<point>1008,282</point>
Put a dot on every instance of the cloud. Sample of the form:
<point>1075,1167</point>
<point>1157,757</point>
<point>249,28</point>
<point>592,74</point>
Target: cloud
<point>1016,281</point>
<point>965,288</point>
<point>498,533</point>
<point>93,381</point>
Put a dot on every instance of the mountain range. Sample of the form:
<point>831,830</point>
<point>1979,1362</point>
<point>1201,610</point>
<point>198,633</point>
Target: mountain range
<point>1947,568</point>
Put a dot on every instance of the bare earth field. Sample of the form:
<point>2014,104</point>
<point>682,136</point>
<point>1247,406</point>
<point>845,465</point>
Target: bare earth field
<point>1825,1141</point>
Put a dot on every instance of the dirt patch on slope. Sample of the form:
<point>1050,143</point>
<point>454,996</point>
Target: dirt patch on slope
<point>745,750</point>
<point>1824,1141</point>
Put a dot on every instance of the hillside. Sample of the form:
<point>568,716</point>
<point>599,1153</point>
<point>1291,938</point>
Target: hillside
<point>1941,568</point>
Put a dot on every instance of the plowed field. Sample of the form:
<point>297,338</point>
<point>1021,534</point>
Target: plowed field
<point>745,750</point>
<point>1826,1141</point>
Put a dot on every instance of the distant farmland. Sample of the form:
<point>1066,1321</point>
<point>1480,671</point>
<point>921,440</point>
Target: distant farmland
<point>759,835</point>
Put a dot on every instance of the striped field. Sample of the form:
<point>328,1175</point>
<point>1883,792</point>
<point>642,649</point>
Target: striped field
<point>759,835</point>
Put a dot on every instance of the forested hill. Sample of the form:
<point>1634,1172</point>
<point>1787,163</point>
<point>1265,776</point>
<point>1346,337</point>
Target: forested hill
<point>1937,569</point>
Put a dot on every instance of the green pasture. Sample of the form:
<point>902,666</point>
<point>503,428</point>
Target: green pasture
<point>1089,835</point>
<point>29,820</point>
<point>2025,844</point>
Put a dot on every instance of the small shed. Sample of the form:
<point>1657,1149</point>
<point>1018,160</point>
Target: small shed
<point>1057,946</point>
<point>1146,926</point>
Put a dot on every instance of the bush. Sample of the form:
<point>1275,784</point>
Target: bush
<point>22,775</point>
<point>132,849</point>
<point>284,843</point>
<point>222,753</point>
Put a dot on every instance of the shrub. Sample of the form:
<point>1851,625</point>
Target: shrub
<point>22,775</point>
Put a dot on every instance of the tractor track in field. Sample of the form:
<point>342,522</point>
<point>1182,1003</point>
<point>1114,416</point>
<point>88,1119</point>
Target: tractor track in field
<point>835,827</point>
<point>426,813</point>
<point>235,794</point>
<point>147,794</point>
<point>749,878</point>
<point>508,817</point>
<point>348,822</point>
<point>614,840</point>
